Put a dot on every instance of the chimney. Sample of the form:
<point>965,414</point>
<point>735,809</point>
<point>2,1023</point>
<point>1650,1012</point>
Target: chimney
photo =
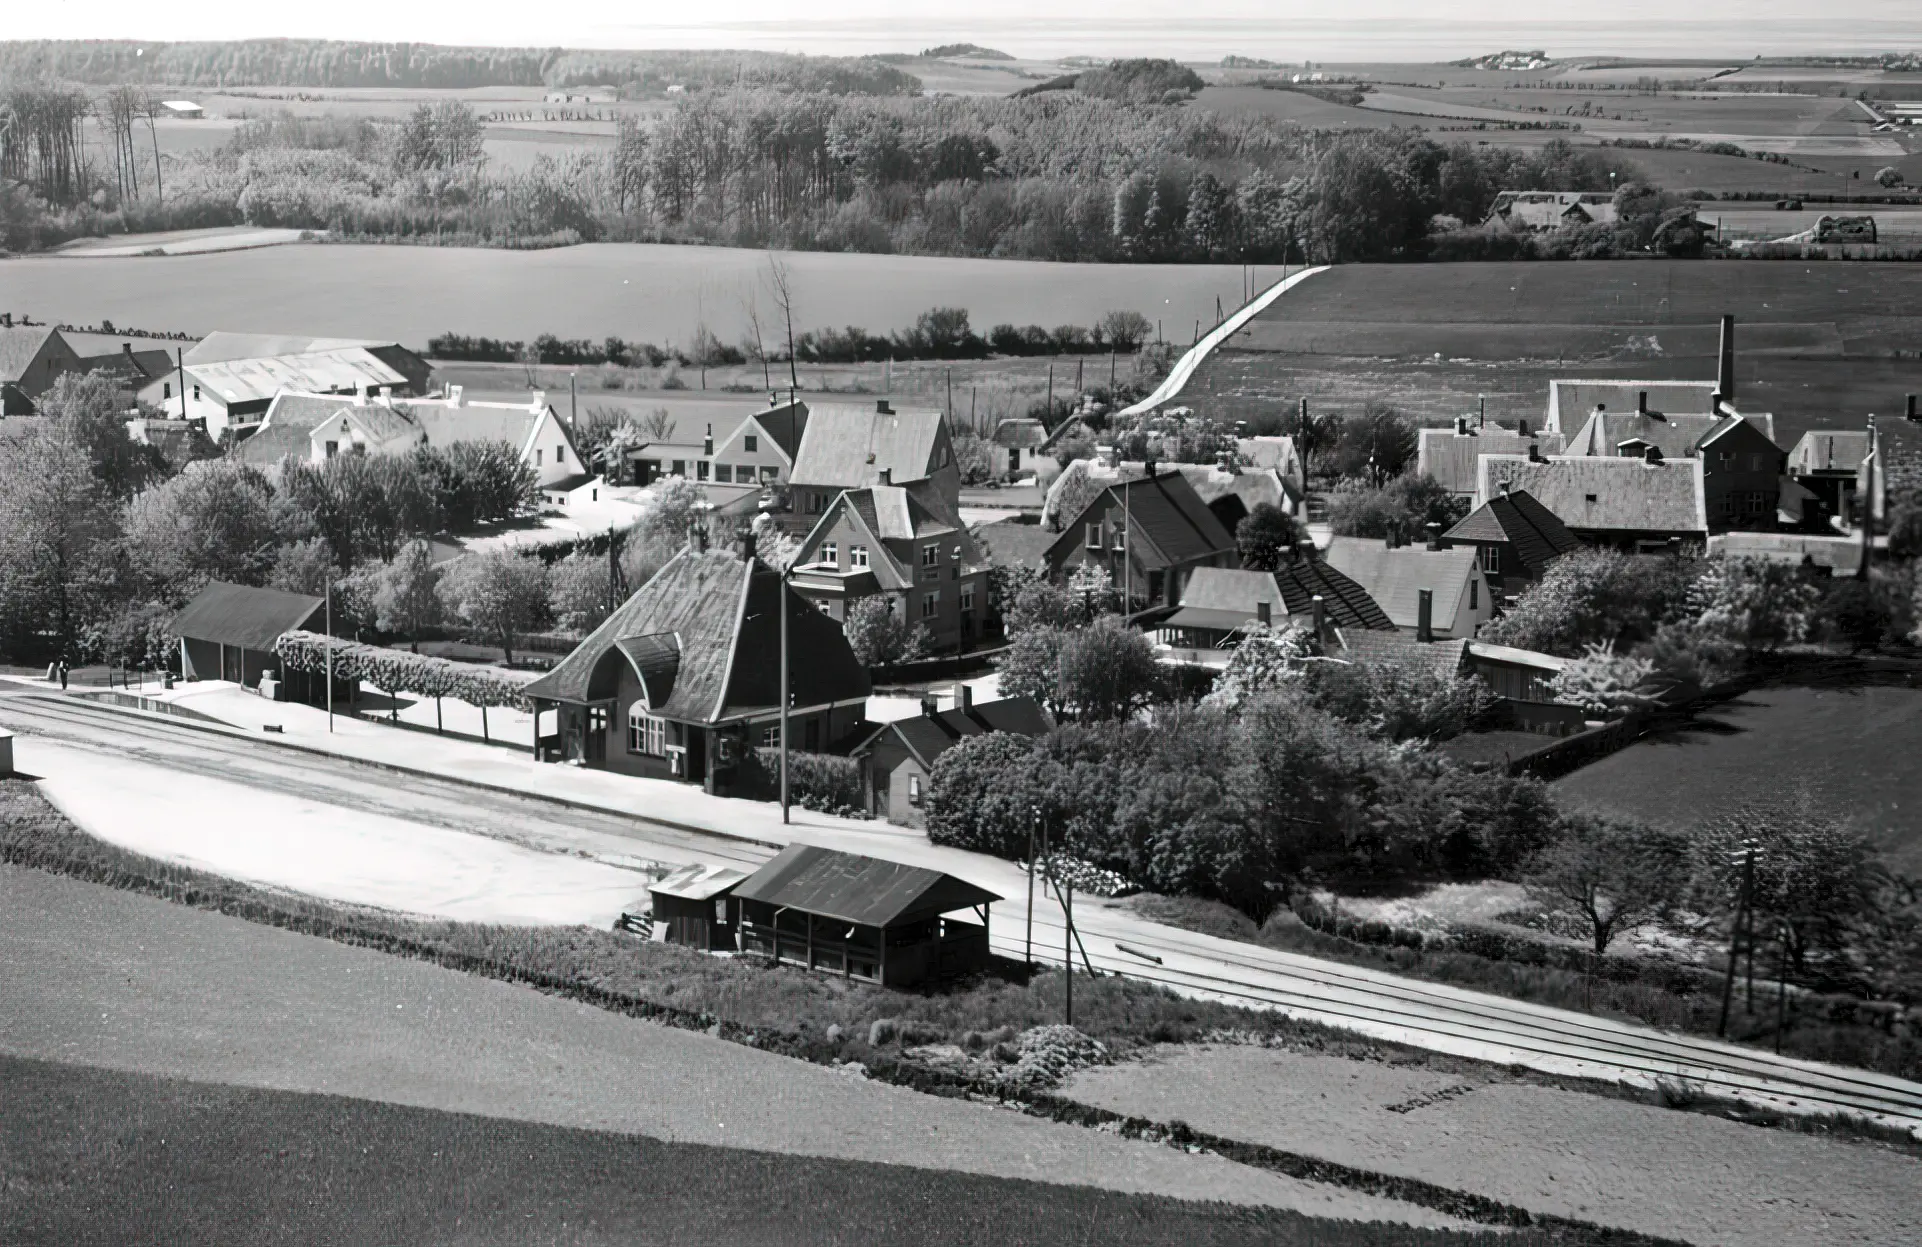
<point>1434,535</point>
<point>1461,426</point>
<point>707,443</point>
<point>1425,616</point>
<point>6,320</point>
<point>887,476</point>
<point>1263,615</point>
<point>1521,427</point>
<point>1652,456</point>
<point>1306,549</point>
<point>456,395</point>
<point>929,706</point>
<point>360,395</point>
<point>1641,402</point>
<point>127,349</point>
<point>1148,465</point>
<point>537,400</point>
<point>1482,403</point>
<point>1535,453</point>
<point>1321,618</point>
<point>385,397</point>
<point>963,695</point>
<point>881,407</point>
<point>1913,417</point>
<point>747,544</point>
<point>1725,375</point>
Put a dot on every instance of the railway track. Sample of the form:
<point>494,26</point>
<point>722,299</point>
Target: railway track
<point>1381,1005</point>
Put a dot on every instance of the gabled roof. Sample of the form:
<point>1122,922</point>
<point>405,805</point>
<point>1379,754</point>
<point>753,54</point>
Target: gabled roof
<point>1279,453</point>
<point>1570,401</point>
<point>220,346</point>
<point>1020,433</point>
<point>1253,486</point>
<point>1347,604</point>
<point>894,513</point>
<point>1452,458</point>
<point>256,380</point>
<point>1607,432</point>
<point>719,608</point>
<point>1597,494</point>
<point>287,427</point>
<point>1008,544</point>
<point>1437,658</point>
<point>243,616</point>
<point>378,424</point>
<point>863,890</point>
<point>1829,450</point>
<point>20,345</point>
<point>446,425</point>
<point>1517,519</point>
<point>1235,591</point>
<point>1395,577</point>
<point>928,736</point>
<point>846,447</point>
<point>1170,523</point>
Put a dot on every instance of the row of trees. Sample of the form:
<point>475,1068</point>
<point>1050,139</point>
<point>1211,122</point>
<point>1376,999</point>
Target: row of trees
<point>100,536</point>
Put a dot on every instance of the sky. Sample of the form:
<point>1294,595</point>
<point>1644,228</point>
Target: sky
<point>1278,29</point>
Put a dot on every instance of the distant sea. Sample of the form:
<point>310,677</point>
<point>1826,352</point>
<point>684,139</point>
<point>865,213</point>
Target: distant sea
<point>1282,39</point>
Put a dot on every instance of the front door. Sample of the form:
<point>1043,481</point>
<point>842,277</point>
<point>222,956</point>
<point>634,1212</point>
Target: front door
<point>596,742</point>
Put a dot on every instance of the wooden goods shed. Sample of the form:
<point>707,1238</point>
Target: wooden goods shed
<point>862,917</point>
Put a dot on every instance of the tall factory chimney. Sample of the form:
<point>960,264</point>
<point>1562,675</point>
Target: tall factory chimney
<point>1725,374</point>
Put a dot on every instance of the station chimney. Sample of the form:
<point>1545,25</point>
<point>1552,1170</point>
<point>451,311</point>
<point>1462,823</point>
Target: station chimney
<point>1725,374</point>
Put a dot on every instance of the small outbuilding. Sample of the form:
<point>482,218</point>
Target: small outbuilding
<point>897,758</point>
<point>695,906</point>
<point>228,632</point>
<point>862,917</point>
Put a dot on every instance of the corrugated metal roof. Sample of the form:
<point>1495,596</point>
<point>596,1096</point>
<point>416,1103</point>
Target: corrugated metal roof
<point>1395,578</point>
<point>866,891</point>
<point>1599,494</point>
<point>699,882</point>
<point>243,616</point>
<point>255,380</point>
<point>221,346</point>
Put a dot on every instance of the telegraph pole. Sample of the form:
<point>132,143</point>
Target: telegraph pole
<point>1746,859</point>
<point>781,593</point>
<point>1027,959</point>
<point>1067,943</point>
<point>330,654</point>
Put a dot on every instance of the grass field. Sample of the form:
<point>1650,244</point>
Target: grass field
<point>638,291</point>
<point>1820,345</point>
<point>94,1155</point>
<point>1841,745</point>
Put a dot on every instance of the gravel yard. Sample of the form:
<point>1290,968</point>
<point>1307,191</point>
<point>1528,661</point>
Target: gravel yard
<point>1621,1164</point>
<point>99,977</point>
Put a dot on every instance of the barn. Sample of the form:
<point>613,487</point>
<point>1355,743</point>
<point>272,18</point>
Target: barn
<point>862,917</point>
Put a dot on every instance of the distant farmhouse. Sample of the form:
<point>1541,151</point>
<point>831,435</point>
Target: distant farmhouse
<point>1534,211</point>
<point>32,357</point>
<point>229,380</point>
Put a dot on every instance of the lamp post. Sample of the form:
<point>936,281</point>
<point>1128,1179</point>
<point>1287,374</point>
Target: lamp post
<point>330,655</point>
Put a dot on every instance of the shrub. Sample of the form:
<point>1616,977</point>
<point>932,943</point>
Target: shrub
<point>817,781</point>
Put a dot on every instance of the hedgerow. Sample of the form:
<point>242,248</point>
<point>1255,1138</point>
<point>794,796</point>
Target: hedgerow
<point>401,671</point>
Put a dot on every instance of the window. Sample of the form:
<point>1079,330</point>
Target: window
<point>723,473</point>
<point>750,443</point>
<point>830,553</point>
<point>914,790</point>
<point>771,736</point>
<point>196,392</point>
<point>680,467</point>
<point>1588,497</point>
<point>537,456</point>
<point>1094,537</point>
<point>1492,559</point>
<point>967,598</point>
<point>700,470</point>
<point>1121,539</point>
<point>560,454</point>
<point>1474,594</point>
<point>857,556</point>
<point>930,556</point>
<point>930,603</point>
<point>770,473</point>
<point>645,733</point>
<point>333,448</point>
<point>166,389</point>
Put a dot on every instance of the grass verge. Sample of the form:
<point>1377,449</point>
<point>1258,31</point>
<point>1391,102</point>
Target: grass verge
<point>92,1155</point>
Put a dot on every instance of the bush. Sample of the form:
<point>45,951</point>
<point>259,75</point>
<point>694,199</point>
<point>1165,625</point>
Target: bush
<point>817,781</point>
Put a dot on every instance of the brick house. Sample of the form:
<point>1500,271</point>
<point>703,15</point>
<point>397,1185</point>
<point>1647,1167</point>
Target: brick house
<point>1150,535</point>
<point>905,542</point>
<point>1395,575</point>
<point>1742,466</point>
<point>1639,505</point>
<point>683,681</point>
<point>897,758</point>
<point>842,446</point>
